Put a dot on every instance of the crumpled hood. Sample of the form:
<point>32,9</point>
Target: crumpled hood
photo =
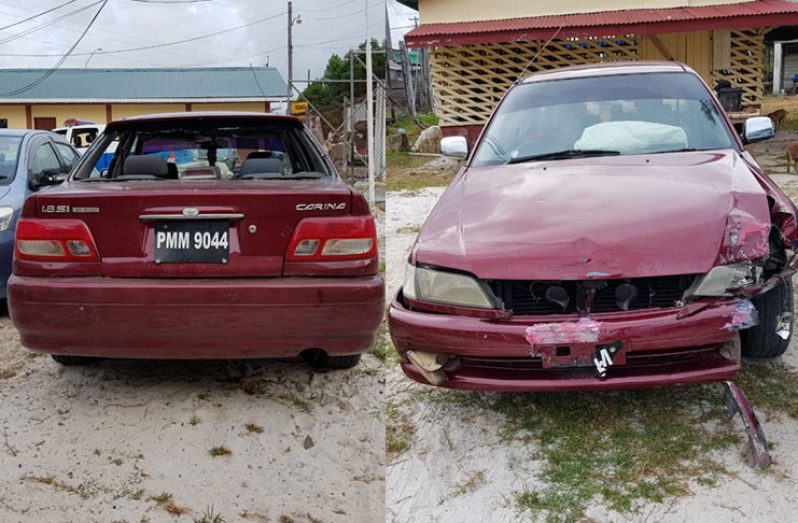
<point>608,217</point>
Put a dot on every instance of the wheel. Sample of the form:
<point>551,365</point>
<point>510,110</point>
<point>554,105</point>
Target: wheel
<point>72,361</point>
<point>337,362</point>
<point>319,358</point>
<point>775,310</point>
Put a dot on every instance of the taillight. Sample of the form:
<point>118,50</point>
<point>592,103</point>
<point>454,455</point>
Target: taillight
<point>54,240</point>
<point>337,238</point>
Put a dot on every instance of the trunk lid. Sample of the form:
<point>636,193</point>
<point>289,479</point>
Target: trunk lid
<point>260,215</point>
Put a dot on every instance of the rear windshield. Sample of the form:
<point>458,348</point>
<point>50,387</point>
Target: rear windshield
<point>613,114</point>
<point>203,150</point>
<point>9,155</point>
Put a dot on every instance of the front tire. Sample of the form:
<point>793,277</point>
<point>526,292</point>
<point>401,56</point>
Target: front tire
<point>74,361</point>
<point>773,307</point>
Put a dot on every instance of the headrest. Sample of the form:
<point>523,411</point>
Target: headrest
<point>146,164</point>
<point>259,154</point>
<point>262,165</point>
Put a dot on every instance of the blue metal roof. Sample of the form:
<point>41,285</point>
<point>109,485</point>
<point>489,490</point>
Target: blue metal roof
<point>144,84</point>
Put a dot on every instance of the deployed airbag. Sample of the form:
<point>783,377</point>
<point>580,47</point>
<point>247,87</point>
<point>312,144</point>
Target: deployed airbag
<point>632,137</point>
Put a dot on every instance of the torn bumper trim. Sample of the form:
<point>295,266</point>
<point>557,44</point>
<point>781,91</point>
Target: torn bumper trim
<point>640,332</point>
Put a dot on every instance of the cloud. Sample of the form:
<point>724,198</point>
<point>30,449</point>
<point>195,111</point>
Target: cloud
<point>326,28</point>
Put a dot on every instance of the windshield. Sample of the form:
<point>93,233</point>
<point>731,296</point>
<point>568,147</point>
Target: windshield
<point>604,115</point>
<point>9,155</point>
<point>203,150</point>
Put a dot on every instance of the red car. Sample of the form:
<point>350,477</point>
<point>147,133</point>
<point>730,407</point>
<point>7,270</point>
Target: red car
<point>609,230</point>
<point>210,236</point>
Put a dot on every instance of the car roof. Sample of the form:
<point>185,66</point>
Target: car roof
<point>607,69</point>
<point>203,115</point>
<point>15,132</point>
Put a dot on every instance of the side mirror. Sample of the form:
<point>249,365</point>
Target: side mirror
<point>47,178</point>
<point>454,146</point>
<point>757,129</point>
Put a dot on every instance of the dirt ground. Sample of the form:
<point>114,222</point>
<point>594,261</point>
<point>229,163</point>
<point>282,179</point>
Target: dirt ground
<point>470,457</point>
<point>162,441</point>
<point>128,440</point>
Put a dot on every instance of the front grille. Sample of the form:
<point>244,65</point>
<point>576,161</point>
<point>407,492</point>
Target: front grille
<point>526,297</point>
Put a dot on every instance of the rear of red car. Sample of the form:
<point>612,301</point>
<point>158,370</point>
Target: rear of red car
<point>210,237</point>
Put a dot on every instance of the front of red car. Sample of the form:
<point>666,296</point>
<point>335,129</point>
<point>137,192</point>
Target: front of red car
<point>634,257</point>
<point>265,255</point>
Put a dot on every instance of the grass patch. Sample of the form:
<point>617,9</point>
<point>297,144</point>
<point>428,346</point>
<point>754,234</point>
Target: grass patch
<point>220,451</point>
<point>194,421</point>
<point>770,386</point>
<point>162,498</point>
<point>409,173</point>
<point>383,348</point>
<point>253,428</point>
<point>409,229</point>
<point>209,516</point>
<point>399,430</point>
<point>625,447</point>
<point>469,485</point>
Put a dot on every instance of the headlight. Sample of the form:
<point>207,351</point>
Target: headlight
<point>720,280</point>
<point>448,288</point>
<point>6,215</point>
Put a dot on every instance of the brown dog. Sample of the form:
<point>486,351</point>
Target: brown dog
<point>778,118</point>
<point>792,156</point>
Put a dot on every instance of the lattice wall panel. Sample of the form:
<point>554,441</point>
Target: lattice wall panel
<point>747,61</point>
<point>469,80</point>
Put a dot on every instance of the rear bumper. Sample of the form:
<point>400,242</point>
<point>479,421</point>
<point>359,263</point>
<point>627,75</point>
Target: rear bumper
<point>196,319</point>
<point>660,349</point>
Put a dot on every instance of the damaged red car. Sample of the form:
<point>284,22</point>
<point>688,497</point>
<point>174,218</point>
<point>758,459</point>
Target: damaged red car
<point>209,236</point>
<point>608,230</point>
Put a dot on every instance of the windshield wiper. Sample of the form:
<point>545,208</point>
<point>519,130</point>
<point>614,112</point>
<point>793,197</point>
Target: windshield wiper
<point>561,155</point>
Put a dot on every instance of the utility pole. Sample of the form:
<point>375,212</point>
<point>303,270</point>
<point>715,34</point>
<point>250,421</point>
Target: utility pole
<point>290,57</point>
<point>351,112</point>
<point>370,111</point>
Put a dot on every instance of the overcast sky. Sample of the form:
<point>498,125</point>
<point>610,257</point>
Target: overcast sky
<point>327,27</point>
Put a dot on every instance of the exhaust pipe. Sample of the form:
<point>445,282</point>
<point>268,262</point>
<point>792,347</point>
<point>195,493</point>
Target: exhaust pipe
<point>429,365</point>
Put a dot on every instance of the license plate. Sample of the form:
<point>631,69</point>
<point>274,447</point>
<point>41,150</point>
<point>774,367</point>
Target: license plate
<point>200,241</point>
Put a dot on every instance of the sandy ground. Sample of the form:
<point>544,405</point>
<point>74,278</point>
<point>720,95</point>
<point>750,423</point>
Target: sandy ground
<point>95,444</point>
<point>454,444</point>
<point>98,443</point>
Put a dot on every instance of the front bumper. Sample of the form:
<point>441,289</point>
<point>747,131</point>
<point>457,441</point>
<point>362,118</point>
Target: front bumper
<point>660,349</point>
<point>196,319</point>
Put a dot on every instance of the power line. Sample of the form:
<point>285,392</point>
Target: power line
<point>58,64</point>
<point>47,24</point>
<point>348,37</point>
<point>148,47</point>
<point>170,2</point>
<point>37,15</point>
<point>343,16</point>
<point>325,9</point>
<point>117,37</point>
<point>230,60</point>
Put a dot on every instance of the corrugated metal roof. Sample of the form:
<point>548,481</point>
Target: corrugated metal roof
<point>145,84</point>
<point>630,21</point>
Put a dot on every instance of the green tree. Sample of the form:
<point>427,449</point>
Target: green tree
<point>322,94</point>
